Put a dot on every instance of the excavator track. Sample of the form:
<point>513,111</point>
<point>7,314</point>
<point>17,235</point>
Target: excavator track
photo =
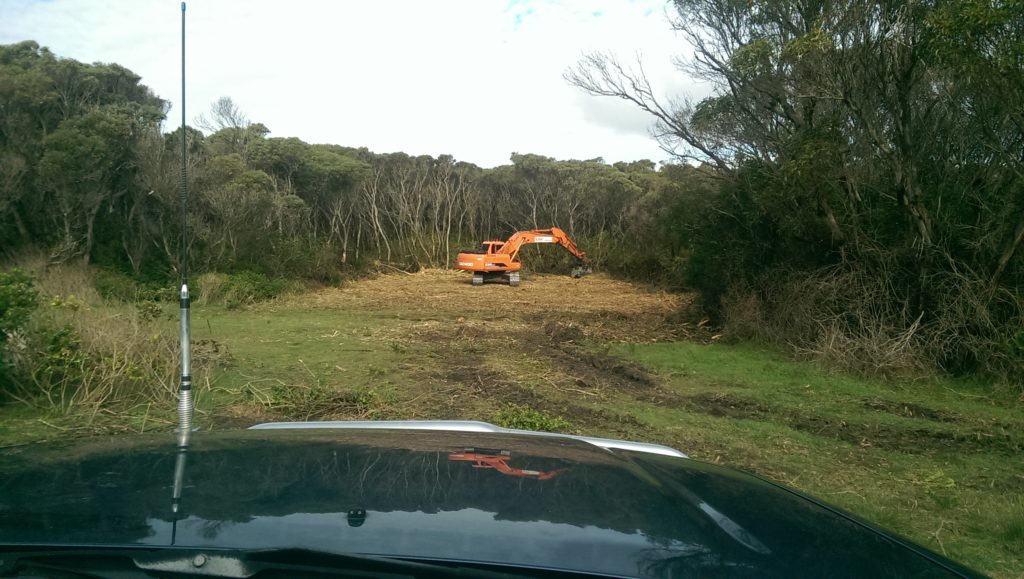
<point>511,278</point>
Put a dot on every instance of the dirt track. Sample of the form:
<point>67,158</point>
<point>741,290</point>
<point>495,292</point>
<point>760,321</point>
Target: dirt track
<point>533,345</point>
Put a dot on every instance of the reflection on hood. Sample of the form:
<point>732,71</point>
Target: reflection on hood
<point>544,502</point>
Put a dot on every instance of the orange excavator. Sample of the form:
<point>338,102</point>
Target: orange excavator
<point>500,259</point>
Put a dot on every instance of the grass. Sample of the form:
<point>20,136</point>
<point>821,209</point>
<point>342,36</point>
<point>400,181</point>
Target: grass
<point>526,418</point>
<point>289,363</point>
<point>938,461</point>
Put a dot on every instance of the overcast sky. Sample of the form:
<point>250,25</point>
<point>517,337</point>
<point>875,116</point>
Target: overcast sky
<point>477,79</point>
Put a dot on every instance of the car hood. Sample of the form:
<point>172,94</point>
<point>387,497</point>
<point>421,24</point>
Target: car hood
<point>545,502</point>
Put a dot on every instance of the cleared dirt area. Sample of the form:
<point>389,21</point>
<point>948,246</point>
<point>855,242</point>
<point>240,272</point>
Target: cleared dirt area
<point>484,348</point>
<point>595,305</point>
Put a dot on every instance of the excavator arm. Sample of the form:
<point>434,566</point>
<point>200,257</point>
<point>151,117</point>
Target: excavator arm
<point>553,235</point>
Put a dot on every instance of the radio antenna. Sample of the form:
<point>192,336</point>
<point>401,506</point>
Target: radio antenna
<point>185,386</point>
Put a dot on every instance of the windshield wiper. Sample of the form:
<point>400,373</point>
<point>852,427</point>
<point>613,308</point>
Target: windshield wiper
<point>129,562</point>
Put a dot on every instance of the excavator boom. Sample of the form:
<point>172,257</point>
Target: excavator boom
<point>501,259</point>
<point>553,235</point>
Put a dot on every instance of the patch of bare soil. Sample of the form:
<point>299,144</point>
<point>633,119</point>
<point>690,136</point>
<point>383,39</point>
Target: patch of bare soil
<point>908,409</point>
<point>487,383</point>
<point>486,357</point>
<point>598,372</point>
<point>483,382</point>
<point>722,404</point>
<point>914,440</point>
<point>911,440</point>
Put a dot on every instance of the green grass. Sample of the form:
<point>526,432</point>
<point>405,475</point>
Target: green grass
<point>939,461</point>
<point>270,364</point>
<point>21,423</point>
<point>303,364</point>
<point>526,418</point>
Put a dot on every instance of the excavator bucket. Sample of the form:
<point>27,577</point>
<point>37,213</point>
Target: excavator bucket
<point>581,270</point>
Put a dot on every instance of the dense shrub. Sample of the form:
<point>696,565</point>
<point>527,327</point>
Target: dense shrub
<point>303,258</point>
<point>70,354</point>
<point>242,288</point>
<point>859,320</point>
<point>113,285</point>
<point>18,299</point>
<point>839,316</point>
<point>82,359</point>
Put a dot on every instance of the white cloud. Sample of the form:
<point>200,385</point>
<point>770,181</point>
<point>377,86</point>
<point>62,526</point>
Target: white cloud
<point>476,79</point>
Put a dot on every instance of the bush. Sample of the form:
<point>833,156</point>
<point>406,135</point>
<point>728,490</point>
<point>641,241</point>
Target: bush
<point>742,314</point>
<point>83,359</point>
<point>750,228</point>
<point>304,259</point>
<point>115,286</point>
<point>112,285</point>
<point>238,289</point>
<point>75,355</point>
<point>843,317</point>
<point>18,299</point>
<point>977,328</point>
<point>857,320</point>
<point>61,364</point>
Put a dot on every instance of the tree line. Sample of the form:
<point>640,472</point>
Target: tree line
<point>88,175</point>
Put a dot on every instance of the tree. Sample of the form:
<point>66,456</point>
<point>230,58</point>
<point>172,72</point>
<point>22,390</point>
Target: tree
<point>86,163</point>
<point>224,114</point>
<point>882,138</point>
<point>327,179</point>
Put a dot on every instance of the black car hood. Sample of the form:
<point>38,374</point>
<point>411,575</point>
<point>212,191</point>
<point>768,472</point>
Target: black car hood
<point>512,499</point>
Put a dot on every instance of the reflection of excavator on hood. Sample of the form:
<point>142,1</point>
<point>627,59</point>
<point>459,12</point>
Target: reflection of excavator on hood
<point>498,460</point>
<point>500,259</point>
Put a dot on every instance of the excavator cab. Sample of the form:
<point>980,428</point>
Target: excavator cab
<point>486,248</point>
